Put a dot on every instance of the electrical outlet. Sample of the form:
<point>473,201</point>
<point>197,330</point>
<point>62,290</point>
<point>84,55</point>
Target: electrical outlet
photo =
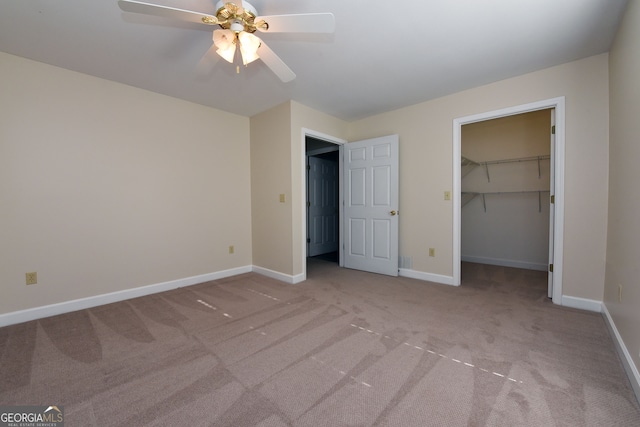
<point>619,293</point>
<point>447,195</point>
<point>283,198</point>
<point>231,249</point>
<point>432,251</point>
<point>32,278</point>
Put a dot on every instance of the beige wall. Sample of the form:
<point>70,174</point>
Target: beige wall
<point>623,243</point>
<point>426,147</point>
<point>271,176</point>
<point>520,135</point>
<point>104,187</point>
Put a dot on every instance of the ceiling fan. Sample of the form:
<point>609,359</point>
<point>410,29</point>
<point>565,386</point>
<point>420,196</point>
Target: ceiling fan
<point>238,21</point>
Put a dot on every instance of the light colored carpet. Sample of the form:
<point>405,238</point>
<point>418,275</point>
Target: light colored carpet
<point>344,348</point>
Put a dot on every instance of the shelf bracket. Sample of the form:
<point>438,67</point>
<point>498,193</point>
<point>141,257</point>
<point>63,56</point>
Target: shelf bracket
<point>539,170</point>
<point>539,201</point>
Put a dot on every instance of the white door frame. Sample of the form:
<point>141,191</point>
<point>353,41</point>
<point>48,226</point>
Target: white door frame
<point>558,206</point>
<point>552,187</point>
<point>303,164</point>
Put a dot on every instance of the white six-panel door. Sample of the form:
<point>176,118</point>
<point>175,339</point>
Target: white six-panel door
<point>371,205</point>
<point>322,211</point>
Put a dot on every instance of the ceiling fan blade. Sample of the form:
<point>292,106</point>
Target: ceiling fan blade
<point>208,60</point>
<point>166,12</point>
<point>276,64</point>
<point>298,23</point>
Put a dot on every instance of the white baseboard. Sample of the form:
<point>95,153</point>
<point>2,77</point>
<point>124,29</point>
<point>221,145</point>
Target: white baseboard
<point>627,361</point>
<point>277,275</point>
<point>582,303</point>
<point>299,278</point>
<point>94,301</point>
<point>405,272</point>
<point>429,277</point>
<point>505,262</point>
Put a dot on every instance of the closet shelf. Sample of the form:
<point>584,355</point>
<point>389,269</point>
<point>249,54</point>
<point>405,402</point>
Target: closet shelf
<point>468,196</point>
<point>468,165</point>
<point>521,159</point>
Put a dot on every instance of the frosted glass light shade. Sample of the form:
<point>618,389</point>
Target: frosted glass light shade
<point>225,41</point>
<point>249,45</point>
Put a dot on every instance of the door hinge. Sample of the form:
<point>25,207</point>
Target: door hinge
<point>553,130</point>
<point>308,204</point>
<point>553,198</point>
<point>308,240</point>
<point>308,167</point>
<point>550,268</point>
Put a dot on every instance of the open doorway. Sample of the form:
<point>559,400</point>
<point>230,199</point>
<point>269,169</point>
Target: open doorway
<point>556,209</point>
<point>506,169</point>
<point>367,204</point>
<point>505,190</point>
<point>323,200</point>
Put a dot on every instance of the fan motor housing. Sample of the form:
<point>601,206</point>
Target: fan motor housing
<point>231,17</point>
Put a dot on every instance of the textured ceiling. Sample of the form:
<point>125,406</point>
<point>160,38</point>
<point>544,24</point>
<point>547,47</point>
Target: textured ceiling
<point>383,55</point>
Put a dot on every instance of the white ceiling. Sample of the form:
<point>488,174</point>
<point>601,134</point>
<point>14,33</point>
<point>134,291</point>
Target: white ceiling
<point>383,55</point>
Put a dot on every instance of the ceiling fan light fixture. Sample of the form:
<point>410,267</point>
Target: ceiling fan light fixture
<point>225,41</point>
<point>249,45</point>
<point>228,53</point>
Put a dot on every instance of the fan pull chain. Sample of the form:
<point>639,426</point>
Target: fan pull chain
<point>237,69</point>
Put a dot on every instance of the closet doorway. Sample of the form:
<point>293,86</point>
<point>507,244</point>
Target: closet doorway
<point>505,172</point>
<point>508,192</point>
<point>505,192</point>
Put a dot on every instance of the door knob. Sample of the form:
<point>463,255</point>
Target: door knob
<point>393,213</point>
